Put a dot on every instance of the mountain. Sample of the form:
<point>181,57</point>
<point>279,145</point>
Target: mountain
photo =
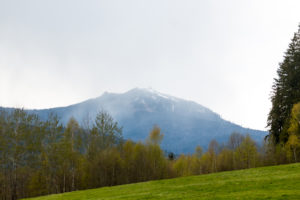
<point>185,124</point>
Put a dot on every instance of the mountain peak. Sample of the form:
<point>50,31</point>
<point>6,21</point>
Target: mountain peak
<point>137,89</point>
<point>185,124</point>
<point>151,92</point>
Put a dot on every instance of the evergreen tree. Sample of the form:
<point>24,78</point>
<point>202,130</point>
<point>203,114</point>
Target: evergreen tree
<point>286,92</point>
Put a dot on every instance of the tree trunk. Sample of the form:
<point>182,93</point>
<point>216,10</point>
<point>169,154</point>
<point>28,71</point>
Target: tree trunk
<point>64,187</point>
<point>295,154</point>
<point>73,179</point>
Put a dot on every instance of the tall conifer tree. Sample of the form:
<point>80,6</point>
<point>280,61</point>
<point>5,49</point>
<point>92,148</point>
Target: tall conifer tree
<point>286,92</point>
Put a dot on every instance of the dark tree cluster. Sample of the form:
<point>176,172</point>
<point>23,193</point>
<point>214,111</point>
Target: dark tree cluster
<point>286,92</point>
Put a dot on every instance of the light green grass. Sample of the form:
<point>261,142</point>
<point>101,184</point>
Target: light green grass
<point>276,182</point>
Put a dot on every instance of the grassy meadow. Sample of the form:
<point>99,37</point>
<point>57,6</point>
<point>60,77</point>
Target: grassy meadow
<point>275,182</point>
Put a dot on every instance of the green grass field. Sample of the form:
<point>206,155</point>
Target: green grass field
<point>276,182</point>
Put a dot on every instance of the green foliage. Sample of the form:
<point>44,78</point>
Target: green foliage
<point>212,155</point>
<point>286,92</point>
<point>294,126</point>
<point>247,153</point>
<point>183,166</point>
<point>225,160</point>
<point>198,151</point>
<point>241,152</point>
<point>107,130</point>
<point>293,143</point>
<point>21,145</point>
<point>155,136</point>
<point>40,158</point>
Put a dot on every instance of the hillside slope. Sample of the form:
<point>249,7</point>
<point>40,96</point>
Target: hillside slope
<point>185,124</point>
<point>276,182</point>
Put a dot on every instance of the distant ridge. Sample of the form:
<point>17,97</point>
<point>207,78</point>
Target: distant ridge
<point>185,124</point>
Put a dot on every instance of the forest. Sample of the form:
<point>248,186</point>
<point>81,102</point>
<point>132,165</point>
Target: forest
<point>40,158</point>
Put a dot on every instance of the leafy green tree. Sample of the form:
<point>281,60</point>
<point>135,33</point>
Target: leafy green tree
<point>4,152</point>
<point>206,163</point>
<point>107,130</point>
<point>234,142</point>
<point>286,92</point>
<point>155,136</point>
<point>294,126</point>
<point>293,142</point>
<point>20,149</point>
<point>155,154</point>
<point>127,155</point>
<point>69,158</point>
<point>196,162</point>
<point>212,151</point>
<point>105,134</point>
<point>247,153</point>
<point>225,160</point>
<point>140,163</point>
<point>198,152</point>
<point>50,157</point>
<point>185,166</point>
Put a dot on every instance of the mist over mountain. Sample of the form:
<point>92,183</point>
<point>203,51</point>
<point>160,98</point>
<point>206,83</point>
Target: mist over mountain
<point>185,124</point>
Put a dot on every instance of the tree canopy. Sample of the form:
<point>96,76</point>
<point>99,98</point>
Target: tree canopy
<point>286,92</point>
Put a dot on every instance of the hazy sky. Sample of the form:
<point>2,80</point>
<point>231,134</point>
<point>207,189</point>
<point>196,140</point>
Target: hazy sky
<point>221,54</point>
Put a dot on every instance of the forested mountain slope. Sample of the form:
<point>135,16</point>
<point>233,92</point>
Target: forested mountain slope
<point>185,124</point>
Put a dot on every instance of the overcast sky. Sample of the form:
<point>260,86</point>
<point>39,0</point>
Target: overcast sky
<point>221,54</point>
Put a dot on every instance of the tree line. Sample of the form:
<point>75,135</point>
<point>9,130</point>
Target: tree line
<point>44,157</point>
<point>285,95</point>
<point>284,116</point>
